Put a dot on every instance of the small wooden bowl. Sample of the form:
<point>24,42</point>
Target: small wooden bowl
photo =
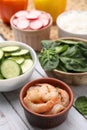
<point>32,37</point>
<point>41,120</point>
<point>70,78</point>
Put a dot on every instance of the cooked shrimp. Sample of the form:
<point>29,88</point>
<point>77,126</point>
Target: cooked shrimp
<point>45,98</point>
<point>40,107</point>
<point>64,97</point>
<point>34,95</point>
<point>48,91</point>
<point>48,86</point>
<point>56,109</point>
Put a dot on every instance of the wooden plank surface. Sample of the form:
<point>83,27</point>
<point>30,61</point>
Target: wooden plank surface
<point>12,116</point>
<point>74,120</point>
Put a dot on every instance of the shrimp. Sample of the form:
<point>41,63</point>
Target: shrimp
<point>40,107</point>
<point>48,86</point>
<point>56,109</point>
<point>41,98</point>
<point>64,97</point>
<point>34,95</point>
<point>50,92</point>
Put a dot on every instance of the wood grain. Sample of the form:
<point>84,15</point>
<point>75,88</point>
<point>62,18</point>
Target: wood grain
<point>71,5</point>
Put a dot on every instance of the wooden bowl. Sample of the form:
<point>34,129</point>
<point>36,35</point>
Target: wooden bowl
<point>32,37</point>
<point>70,78</point>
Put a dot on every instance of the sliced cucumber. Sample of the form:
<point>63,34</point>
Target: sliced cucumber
<point>27,64</point>
<point>11,48</point>
<point>6,54</point>
<point>27,57</point>
<point>19,59</point>
<point>10,69</point>
<point>1,77</point>
<point>21,52</point>
<point>1,54</point>
<point>14,61</point>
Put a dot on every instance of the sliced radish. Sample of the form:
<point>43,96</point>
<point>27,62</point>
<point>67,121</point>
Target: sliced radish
<point>44,20</point>
<point>21,18</point>
<point>33,19</point>
<point>15,21</point>
<point>44,16</point>
<point>36,24</point>
<point>34,14</point>
<point>21,14</point>
<point>23,24</point>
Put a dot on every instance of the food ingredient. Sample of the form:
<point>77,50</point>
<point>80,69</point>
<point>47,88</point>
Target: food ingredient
<point>81,104</point>
<point>73,22</point>
<point>31,20</point>
<point>44,98</point>
<point>14,61</point>
<point>9,7</point>
<point>54,7</point>
<point>65,55</point>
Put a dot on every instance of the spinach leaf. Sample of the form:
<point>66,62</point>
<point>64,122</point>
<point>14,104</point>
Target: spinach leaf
<point>83,51</point>
<point>70,42</point>
<point>49,59</point>
<point>61,66</point>
<point>74,65</point>
<point>81,104</point>
<point>83,45</point>
<point>65,55</point>
<point>61,48</point>
<point>72,52</point>
<point>47,44</point>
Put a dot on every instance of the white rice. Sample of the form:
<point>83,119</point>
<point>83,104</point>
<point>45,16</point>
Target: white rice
<point>74,22</point>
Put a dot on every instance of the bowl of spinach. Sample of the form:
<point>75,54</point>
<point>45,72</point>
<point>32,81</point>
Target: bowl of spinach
<point>66,59</point>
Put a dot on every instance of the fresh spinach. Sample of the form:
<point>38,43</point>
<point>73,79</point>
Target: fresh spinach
<point>81,104</point>
<point>61,48</point>
<point>64,55</point>
<point>48,59</point>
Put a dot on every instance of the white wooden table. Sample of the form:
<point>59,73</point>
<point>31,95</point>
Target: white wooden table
<point>12,116</point>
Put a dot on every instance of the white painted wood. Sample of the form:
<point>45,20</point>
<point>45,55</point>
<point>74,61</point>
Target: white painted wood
<point>79,90</point>
<point>74,121</point>
<point>12,116</point>
<point>13,98</point>
<point>9,119</point>
<point>40,70</point>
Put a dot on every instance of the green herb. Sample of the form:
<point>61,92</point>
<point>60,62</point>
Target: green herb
<point>64,55</point>
<point>61,48</point>
<point>81,104</point>
<point>49,60</point>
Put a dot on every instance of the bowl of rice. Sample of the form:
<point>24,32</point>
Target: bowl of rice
<point>72,24</point>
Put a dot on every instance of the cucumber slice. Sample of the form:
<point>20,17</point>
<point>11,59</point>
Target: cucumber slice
<point>1,77</point>
<point>19,59</point>
<point>21,52</point>
<point>11,48</point>
<point>27,64</point>
<point>10,69</point>
<point>6,54</point>
<point>1,54</point>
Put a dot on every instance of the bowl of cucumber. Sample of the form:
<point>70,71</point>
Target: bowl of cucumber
<point>65,59</point>
<point>17,63</point>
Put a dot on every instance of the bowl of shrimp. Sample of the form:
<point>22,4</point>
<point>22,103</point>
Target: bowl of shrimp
<point>46,102</point>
